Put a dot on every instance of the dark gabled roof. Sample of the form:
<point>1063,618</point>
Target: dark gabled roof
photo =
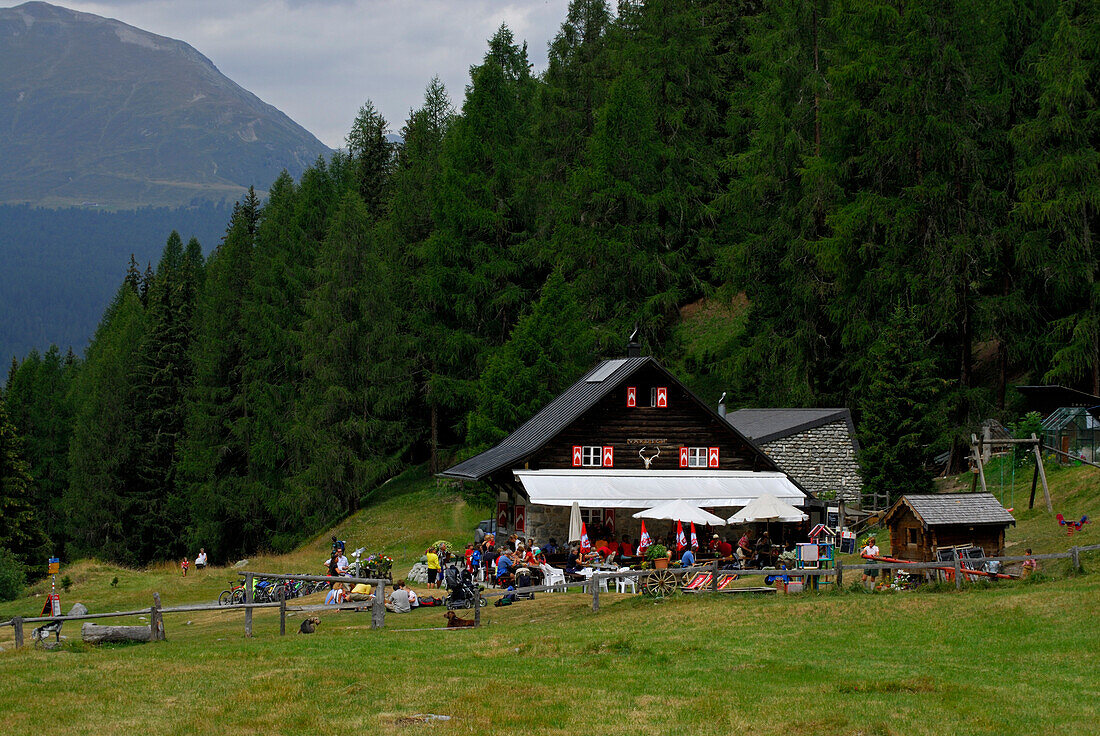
<point>553,418</point>
<point>972,509</point>
<point>563,411</point>
<point>765,425</point>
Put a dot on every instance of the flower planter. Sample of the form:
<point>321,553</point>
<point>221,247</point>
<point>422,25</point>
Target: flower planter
<point>661,563</point>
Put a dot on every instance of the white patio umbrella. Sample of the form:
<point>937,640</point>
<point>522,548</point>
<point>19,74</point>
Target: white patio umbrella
<point>574,523</point>
<point>767,507</point>
<point>679,510</point>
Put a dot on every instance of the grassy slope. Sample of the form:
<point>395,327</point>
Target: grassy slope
<point>840,663</point>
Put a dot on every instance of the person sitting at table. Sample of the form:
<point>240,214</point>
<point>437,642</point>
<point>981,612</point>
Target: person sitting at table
<point>529,557</point>
<point>688,558</point>
<point>504,569</point>
<point>626,549</point>
<point>573,564</point>
<point>712,545</point>
<point>551,547</point>
<point>725,549</point>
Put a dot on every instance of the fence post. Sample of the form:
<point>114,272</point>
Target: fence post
<point>714,581</point>
<point>477,605</point>
<point>958,573</point>
<point>17,627</point>
<point>248,601</point>
<point>156,620</point>
<point>378,607</point>
<point>839,574</point>
<point>282,611</point>
<point>1076,555</point>
<point>595,582</point>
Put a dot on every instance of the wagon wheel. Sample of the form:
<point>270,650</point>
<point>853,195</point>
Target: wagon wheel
<point>660,583</point>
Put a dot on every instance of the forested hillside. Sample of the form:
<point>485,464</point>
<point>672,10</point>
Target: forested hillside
<point>890,206</point>
<point>61,267</point>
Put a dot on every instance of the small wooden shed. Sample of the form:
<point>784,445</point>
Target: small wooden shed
<point>920,523</point>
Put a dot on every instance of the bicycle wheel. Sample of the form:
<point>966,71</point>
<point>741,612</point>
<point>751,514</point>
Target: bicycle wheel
<point>238,596</point>
<point>225,598</point>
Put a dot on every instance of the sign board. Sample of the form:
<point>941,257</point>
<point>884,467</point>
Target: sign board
<point>502,514</point>
<point>712,457</point>
<point>631,396</point>
<point>521,519</point>
<point>55,565</point>
<point>578,456</point>
<point>683,457</point>
<point>609,457</point>
<point>52,606</point>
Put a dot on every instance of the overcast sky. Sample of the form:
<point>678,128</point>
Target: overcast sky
<point>319,60</point>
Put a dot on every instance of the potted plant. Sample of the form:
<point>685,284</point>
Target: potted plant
<point>658,555</point>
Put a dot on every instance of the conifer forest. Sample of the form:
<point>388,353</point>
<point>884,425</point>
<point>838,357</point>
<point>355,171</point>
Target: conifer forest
<point>888,205</point>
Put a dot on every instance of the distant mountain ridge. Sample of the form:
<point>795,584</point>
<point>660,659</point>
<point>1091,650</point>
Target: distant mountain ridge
<point>93,110</point>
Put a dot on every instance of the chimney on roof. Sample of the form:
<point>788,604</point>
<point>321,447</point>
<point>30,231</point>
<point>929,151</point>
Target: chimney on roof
<point>634,348</point>
<point>722,405</point>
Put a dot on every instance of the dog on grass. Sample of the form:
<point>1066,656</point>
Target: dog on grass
<point>309,625</point>
<point>454,622</point>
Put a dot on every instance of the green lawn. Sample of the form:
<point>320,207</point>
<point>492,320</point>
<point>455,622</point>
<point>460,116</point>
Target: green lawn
<point>1012,658</point>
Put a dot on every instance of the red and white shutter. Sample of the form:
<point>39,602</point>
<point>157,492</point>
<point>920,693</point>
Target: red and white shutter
<point>683,457</point>
<point>609,522</point>
<point>712,457</point>
<point>662,397</point>
<point>608,457</point>
<point>578,455</point>
<point>502,514</point>
<point>631,396</point>
<point>521,519</point>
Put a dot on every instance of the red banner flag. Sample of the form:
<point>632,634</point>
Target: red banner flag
<point>694,539</point>
<point>645,541</point>
<point>681,542</point>
<point>586,546</point>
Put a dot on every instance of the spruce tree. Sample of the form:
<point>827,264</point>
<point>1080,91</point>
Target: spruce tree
<point>21,528</point>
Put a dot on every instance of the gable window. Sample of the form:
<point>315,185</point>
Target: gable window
<point>592,456</point>
<point>912,536</point>
<point>697,457</point>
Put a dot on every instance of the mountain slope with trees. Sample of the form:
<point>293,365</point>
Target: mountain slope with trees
<point>877,205</point>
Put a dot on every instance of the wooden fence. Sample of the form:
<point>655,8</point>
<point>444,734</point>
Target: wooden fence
<point>590,585</point>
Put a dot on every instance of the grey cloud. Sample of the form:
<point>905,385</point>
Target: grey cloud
<point>319,60</point>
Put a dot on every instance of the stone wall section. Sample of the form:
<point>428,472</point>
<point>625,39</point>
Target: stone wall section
<point>822,459</point>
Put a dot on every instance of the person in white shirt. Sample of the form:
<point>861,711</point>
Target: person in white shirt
<point>870,550</point>
<point>398,600</point>
<point>200,561</point>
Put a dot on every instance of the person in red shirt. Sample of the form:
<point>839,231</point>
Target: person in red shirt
<point>725,549</point>
<point>625,548</point>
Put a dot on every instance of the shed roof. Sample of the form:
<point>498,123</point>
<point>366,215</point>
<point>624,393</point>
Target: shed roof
<point>971,509</point>
<point>765,425</point>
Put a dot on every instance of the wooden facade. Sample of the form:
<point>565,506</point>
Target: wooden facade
<point>912,538</point>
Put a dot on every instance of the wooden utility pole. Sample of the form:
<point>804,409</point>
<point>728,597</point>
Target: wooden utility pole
<point>249,601</point>
<point>1042,473</point>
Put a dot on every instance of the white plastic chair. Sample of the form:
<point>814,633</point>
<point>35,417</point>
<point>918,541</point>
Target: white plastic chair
<point>621,584</point>
<point>553,576</point>
<point>588,572</point>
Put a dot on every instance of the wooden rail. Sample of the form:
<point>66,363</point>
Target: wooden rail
<point>592,584</point>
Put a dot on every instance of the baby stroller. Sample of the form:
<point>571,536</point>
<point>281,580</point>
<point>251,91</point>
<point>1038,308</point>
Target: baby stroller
<point>464,592</point>
<point>523,580</point>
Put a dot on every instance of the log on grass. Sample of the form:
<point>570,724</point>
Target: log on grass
<point>96,634</point>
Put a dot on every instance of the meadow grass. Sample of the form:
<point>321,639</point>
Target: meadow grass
<point>1010,657</point>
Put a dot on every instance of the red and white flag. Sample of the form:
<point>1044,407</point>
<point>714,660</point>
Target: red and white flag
<point>586,546</point>
<point>694,539</point>
<point>645,541</point>
<point>681,542</point>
